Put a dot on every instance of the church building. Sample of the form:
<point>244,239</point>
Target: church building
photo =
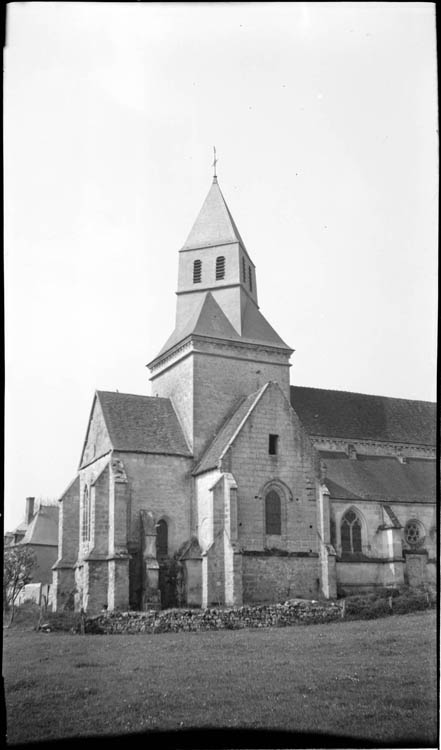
<point>228,485</point>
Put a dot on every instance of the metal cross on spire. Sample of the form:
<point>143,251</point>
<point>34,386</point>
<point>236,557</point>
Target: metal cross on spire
<point>214,162</point>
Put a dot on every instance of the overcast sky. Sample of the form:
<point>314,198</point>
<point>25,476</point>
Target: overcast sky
<point>324,117</point>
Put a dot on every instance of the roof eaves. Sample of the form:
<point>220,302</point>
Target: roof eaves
<point>155,453</point>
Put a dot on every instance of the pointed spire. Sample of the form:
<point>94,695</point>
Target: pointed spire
<point>214,225</point>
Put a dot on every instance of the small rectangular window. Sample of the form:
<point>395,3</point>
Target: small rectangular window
<point>273,444</point>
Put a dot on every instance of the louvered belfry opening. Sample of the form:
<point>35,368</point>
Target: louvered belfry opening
<point>197,272</point>
<point>220,267</point>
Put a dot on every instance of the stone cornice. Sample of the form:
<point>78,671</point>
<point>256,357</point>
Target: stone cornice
<point>392,500</point>
<point>387,447</point>
<point>194,344</point>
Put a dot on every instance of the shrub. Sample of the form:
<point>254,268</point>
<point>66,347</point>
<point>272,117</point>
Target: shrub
<point>366,607</point>
<point>411,601</point>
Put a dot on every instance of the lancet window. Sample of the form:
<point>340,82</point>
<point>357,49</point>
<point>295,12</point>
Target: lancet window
<point>273,513</point>
<point>350,533</point>
<point>85,526</point>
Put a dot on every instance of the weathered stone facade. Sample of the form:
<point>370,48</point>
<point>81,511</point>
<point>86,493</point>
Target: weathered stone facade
<point>227,486</point>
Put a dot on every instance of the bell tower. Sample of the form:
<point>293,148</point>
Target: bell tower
<point>222,348</point>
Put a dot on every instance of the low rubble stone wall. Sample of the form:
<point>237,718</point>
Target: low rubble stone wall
<point>293,612</point>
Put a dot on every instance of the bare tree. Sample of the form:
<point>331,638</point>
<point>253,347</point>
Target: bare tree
<point>19,562</point>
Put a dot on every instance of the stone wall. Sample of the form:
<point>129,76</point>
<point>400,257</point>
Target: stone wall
<point>294,612</point>
<point>163,485</point>
<point>276,577</point>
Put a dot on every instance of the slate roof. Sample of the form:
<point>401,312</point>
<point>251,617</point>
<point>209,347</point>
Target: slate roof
<point>342,414</point>
<point>380,478</point>
<point>43,528</point>
<point>228,431</point>
<point>214,224</point>
<point>208,319</point>
<point>142,424</point>
<point>256,329</point>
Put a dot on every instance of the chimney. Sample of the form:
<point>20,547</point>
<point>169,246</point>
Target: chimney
<point>29,509</point>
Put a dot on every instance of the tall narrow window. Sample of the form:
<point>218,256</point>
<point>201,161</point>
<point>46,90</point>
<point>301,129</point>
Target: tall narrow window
<point>273,444</point>
<point>244,271</point>
<point>85,526</point>
<point>197,271</point>
<point>273,514</point>
<point>351,533</point>
<point>220,267</point>
<point>161,539</point>
<point>250,278</point>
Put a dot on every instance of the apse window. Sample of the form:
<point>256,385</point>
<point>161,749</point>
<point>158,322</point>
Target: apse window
<point>197,272</point>
<point>273,444</point>
<point>220,267</point>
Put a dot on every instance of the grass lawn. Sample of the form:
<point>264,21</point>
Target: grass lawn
<point>373,680</point>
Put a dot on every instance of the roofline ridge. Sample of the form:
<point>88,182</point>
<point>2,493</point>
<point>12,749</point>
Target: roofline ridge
<point>359,393</point>
<point>135,395</point>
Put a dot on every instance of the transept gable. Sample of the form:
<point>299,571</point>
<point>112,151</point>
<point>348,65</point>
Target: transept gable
<point>235,423</point>
<point>228,432</point>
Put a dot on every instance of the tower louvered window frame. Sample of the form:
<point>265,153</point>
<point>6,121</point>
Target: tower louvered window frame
<point>197,271</point>
<point>250,278</point>
<point>244,271</point>
<point>220,267</point>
